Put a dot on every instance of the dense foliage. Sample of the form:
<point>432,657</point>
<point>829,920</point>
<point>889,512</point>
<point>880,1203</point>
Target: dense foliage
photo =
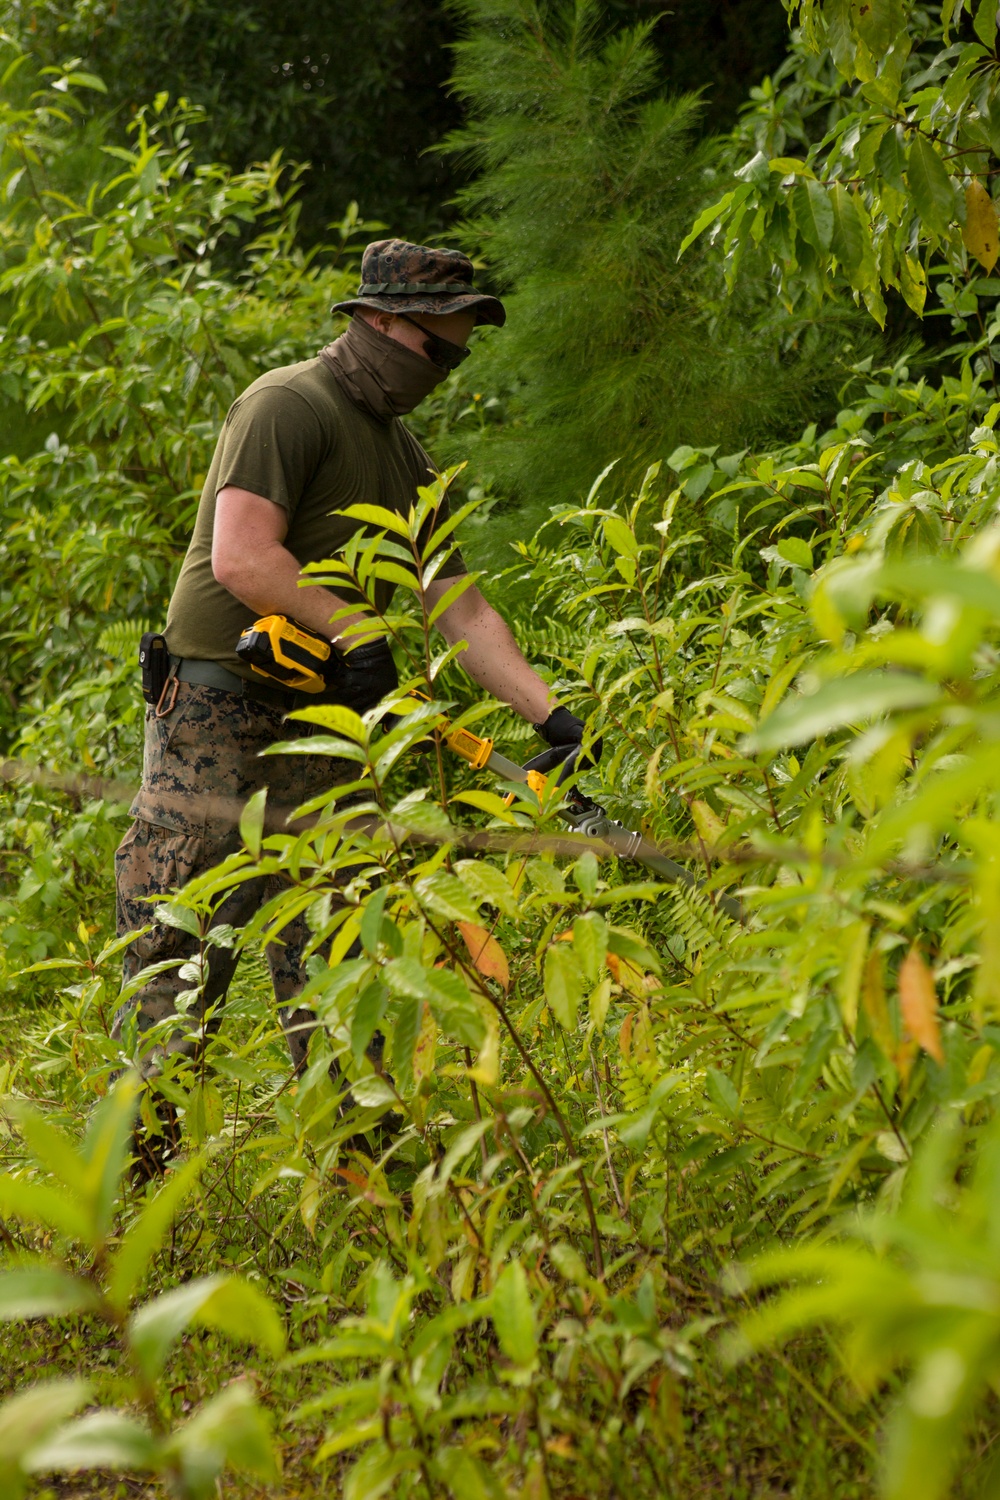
<point>587,179</point>
<point>663,1189</point>
<point>356,90</point>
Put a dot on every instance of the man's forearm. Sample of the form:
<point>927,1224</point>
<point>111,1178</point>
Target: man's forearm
<point>269,584</point>
<point>494,660</point>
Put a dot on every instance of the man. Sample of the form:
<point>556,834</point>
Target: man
<point>301,444</point>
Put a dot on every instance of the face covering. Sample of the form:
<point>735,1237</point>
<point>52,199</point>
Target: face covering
<point>381,376</point>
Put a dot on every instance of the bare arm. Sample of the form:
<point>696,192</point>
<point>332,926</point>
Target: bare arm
<point>492,657</point>
<point>249,560</point>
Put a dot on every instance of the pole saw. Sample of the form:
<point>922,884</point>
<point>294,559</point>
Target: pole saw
<point>287,652</point>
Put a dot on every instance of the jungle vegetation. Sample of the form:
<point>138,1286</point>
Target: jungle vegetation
<point>667,1189</point>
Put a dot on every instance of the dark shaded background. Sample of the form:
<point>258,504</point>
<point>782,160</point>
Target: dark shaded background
<point>358,87</point>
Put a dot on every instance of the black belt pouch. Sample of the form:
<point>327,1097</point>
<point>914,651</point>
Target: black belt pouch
<point>154,660</point>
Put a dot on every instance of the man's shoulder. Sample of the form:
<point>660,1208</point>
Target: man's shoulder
<point>306,383</point>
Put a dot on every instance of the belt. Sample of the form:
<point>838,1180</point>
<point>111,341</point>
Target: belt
<point>213,674</point>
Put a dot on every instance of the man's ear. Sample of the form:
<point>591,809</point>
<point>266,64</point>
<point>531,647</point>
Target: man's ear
<point>379,320</point>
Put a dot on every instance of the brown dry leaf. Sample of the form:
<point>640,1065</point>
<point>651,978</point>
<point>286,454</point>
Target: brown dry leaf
<point>919,1004</point>
<point>982,229</point>
<point>486,953</point>
<point>625,1035</point>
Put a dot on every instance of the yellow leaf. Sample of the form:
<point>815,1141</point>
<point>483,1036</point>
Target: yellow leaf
<point>309,1201</point>
<point>979,1066</point>
<point>486,953</point>
<point>853,947</point>
<point>423,1052</point>
<point>487,1065</point>
<point>982,231</point>
<point>627,974</point>
<point>707,821</point>
<point>919,1004</point>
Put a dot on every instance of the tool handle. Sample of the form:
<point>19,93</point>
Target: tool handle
<point>469,746</point>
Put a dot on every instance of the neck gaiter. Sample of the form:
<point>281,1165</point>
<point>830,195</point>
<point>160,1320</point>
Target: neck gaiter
<point>381,376</point>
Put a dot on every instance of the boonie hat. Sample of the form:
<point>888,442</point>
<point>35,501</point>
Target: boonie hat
<point>398,277</point>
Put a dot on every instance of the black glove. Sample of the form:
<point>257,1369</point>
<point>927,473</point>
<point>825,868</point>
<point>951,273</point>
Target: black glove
<point>362,677</point>
<point>564,729</point>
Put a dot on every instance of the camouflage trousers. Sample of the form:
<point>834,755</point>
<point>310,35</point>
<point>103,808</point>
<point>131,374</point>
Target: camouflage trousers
<point>201,762</point>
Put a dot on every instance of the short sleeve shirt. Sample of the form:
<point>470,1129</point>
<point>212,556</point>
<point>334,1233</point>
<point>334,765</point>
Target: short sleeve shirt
<point>296,438</point>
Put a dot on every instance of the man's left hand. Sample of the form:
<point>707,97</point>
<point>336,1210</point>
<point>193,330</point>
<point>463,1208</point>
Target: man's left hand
<point>562,728</point>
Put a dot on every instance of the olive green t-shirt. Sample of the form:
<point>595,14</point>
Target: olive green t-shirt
<point>297,438</point>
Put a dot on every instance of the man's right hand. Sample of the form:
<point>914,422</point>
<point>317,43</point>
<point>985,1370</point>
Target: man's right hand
<point>362,677</point>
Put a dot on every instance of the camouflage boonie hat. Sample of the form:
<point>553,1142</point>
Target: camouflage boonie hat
<point>398,277</point>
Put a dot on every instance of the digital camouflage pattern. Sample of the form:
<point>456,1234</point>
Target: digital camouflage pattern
<point>394,274</point>
<point>201,763</point>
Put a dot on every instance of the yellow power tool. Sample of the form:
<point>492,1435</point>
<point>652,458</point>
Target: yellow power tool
<point>289,653</point>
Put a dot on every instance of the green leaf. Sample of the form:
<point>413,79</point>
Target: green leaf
<point>405,1034</point>
<point>848,700</point>
<point>626,946</point>
<point>590,943</point>
<point>233,1306</point>
<point>563,984</point>
<point>447,994</point>
<point>569,1263</point>
<point>466,1476</point>
<point>757,170</point>
<point>51,1148</point>
<point>722,1093</point>
<point>890,159</point>
<point>451,595</point>
<point>176,914</point>
<point>878,23</point>
<point>848,238</point>
<point>100,1440</point>
<point>336,718</point>
<point>378,517</point>
<point>368,1012</point>
<point>620,536</point>
<point>106,1147</point>
<point>813,214</point>
<point>985,23</point>
<point>797,552</point>
<point>205,1115</point>
<point>930,186</point>
<point>43,1291</point>
<point>488,884</point>
<point>27,1418</point>
<point>514,1316</point>
<point>377,1469</point>
<point>370,929</point>
<point>144,1238</point>
<point>446,896</point>
<point>252,821</point>
<point>933,577</point>
<point>706,217</point>
<point>87,81</point>
<point>230,1431</point>
<point>37,1203</point>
